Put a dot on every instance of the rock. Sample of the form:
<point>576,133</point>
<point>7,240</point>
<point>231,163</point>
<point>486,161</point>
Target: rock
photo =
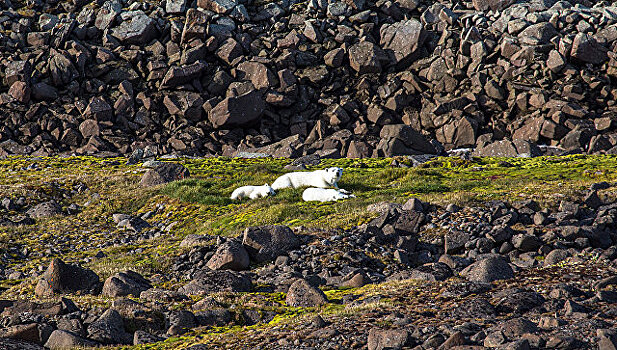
<point>44,92</point>
<point>495,5</point>
<point>142,337</point>
<point>98,109</point>
<point>45,210</point>
<point>135,28</point>
<point>455,241</point>
<point>586,49</point>
<point>381,339</point>
<point>401,39</point>
<point>229,51</point>
<point>109,329</point>
<point>302,294</point>
<point>229,255</point>
<point>175,7</point>
<point>28,332</point>
<point>257,73</point>
<point>164,173</point>
<point>243,110</point>
<point>538,34</point>
<point>506,148</point>
<point>217,6</point>
<point>526,242</point>
<point>555,256</point>
<point>556,62</point>
<point>61,69</point>
<point>180,321</point>
<point>64,278</point>
<point>366,57</point>
<point>217,281</point>
<point>488,270</point>
<point>180,75</point>
<point>400,139</point>
<point>265,243</point>
<point>60,340</point>
<point>125,283</point>
<point>20,91</point>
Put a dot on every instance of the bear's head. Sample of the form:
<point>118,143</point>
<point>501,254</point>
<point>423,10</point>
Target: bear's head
<point>333,175</point>
<point>269,189</point>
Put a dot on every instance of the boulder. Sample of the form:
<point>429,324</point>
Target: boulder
<point>125,283</point>
<point>217,281</point>
<point>164,173</point>
<point>488,270</point>
<point>401,39</point>
<point>401,139</point>
<point>135,28</point>
<point>265,243</point>
<point>229,256</point>
<point>109,329</point>
<point>366,57</point>
<point>243,110</point>
<point>45,210</point>
<point>382,339</point>
<point>61,340</point>
<point>67,278</point>
<point>302,294</point>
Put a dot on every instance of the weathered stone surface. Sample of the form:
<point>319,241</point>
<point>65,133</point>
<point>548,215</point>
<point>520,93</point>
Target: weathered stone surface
<point>125,283</point>
<point>381,339</point>
<point>180,75</point>
<point>60,340</point>
<point>488,270</point>
<point>242,110</point>
<point>586,49</point>
<point>217,281</point>
<point>164,173</point>
<point>63,278</point>
<point>401,39</point>
<point>109,329</point>
<point>229,255</point>
<point>135,28</point>
<point>265,243</point>
<point>302,294</point>
<point>366,57</point>
<point>218,6</point>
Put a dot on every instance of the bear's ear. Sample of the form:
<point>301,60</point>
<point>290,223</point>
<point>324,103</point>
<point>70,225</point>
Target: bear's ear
<point>266,184</point>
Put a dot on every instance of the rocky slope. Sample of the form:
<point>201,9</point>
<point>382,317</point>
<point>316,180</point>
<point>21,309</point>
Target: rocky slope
<point>349,78</point>
<point>506,253</point>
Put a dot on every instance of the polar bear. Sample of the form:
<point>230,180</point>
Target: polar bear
<point>324,194</point>
<point>319,178</point>
<point>253,192</point>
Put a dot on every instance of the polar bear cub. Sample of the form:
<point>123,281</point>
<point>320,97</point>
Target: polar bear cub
<point>253,192</point>
<point>319,178</point>
<point>324,194</point>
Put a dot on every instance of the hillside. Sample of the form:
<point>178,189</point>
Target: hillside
<point>512,253</point>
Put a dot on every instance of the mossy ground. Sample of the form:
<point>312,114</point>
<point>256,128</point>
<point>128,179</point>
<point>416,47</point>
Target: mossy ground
<point>201,205</point>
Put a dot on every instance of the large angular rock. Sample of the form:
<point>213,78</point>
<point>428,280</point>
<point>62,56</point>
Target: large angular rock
<point>180,75</point>
<point>586,49</point>
<point>242,110</point>
<point>218,6</point>
<point>495,5</point>
<point>507,148</point>
<point>257,73</point>
<point>98,109</point>
<point>401,139</point>
<point>229,51</point>
<point>65,278</point>
<point>229,256</point>
<point>61,340</point>
<point>401,39</point>
<point>125,283</point>
<point>109,329</point>
<point>107,14</point>
<point>264,243</point>
<point>290,147</point>
<point>366,57</point>
<point>538,34</point>
<point>217,281</point>
<point>302,294</point>
<point>382,339</point>
<point>45,209</point>
<point>61,69</point>
<point>488,270</point>
<point>135,28</point>
<point>164,173</point>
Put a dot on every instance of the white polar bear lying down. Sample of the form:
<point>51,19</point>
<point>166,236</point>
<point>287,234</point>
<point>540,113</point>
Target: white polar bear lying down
<point>318,178</point>
<point>252,192</point>
<point>324,194</point>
